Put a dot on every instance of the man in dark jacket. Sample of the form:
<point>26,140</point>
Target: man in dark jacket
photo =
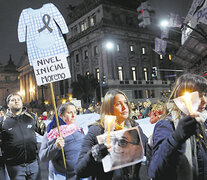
<point>19,145</point>
<point>90,109</point>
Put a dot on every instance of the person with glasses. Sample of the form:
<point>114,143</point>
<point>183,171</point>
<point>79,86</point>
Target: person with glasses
<point>70,140</point>
<point>126,148</point>
<point>115,103</point>
<point>179,140</point>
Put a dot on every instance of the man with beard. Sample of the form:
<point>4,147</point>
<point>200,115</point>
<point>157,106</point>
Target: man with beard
<point>19,145</point>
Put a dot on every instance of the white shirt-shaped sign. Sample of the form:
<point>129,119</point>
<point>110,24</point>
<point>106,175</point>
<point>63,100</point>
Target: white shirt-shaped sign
<point>51,69</point>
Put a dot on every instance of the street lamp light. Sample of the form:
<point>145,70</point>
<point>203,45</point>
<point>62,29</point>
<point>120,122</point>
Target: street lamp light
<point>164,23</point>
<point>109,45</point>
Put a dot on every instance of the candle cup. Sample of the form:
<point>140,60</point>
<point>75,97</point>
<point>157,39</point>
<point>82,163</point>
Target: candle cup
<point>109,126</point>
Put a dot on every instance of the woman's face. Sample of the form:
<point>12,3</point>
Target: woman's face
<point>120,108</point>
<point>70,114</point>
<point>203,102</point>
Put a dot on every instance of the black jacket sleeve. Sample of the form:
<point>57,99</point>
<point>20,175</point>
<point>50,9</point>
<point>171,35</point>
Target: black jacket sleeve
<point>86,165</point>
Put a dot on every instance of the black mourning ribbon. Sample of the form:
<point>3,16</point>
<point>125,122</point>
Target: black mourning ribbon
<point>46,23</point>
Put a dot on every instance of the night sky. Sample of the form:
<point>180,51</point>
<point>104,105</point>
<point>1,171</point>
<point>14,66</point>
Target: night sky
<point>11,9</point>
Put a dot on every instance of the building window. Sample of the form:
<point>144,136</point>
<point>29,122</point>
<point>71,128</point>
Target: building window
<point>86,54</point>
<point>143,51</point>
<point>131,47</point>
<point>83,26</point>
<point>93,20</point>
<point>77,58</point>
<point>118,47</point>
<point>147,93</point>
<point>95,50</point>
<point>150,93</point>
<point>134,73</point>
<point>161,56</point>
<point>145,74</point>
<point>120,73</point>
<point>97,74</point>
<point>138,94</point>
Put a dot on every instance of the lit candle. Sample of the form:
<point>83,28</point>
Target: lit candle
<point>109,120</point>
<point>187,99</point>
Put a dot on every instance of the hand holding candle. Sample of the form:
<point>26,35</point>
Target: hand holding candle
<point>109,125</point>
<point>187,100</point>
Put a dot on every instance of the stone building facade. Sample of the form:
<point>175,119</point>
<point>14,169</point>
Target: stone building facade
<point>128,65</point>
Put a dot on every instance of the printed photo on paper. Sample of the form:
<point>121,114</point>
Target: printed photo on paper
<point>126,148</point>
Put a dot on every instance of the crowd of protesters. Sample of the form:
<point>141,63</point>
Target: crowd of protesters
<point>178,143</point>
<point>147,109</point>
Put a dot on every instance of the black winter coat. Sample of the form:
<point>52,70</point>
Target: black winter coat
<point>86,166</point>
<point>19,143</point>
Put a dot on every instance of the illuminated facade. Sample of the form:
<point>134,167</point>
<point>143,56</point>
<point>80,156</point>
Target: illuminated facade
<point>28,88</point>
<point>8,81</point>
<point>96,25</point>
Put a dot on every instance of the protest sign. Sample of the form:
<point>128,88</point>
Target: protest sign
<point>51,69</point>
<point>76,102</point>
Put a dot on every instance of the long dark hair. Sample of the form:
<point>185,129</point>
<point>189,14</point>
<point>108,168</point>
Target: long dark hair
<point>107,104</point>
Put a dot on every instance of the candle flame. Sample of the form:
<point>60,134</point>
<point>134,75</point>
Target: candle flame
<point>187,96</point>
<point>187,99</point>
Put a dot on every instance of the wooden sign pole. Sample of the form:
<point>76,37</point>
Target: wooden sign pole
<point>57,121</point>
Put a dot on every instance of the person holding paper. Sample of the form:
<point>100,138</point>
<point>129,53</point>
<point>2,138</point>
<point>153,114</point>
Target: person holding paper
<point>70,140</point>
<point>115,103</point>
<point>179,139</point>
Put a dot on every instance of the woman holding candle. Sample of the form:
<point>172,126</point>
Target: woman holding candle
<point>70,140</point>
<point>115,103</point>
<point>179,140</point>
